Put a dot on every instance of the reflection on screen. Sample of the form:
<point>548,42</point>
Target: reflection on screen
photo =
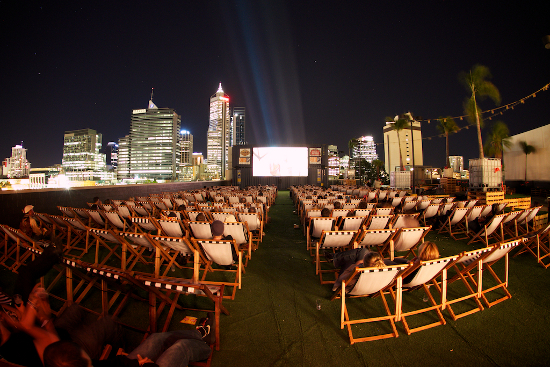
<point>279,161</point>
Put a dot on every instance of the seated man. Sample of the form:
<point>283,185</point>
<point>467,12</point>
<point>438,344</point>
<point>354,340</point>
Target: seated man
<point>29,224</point>
<point>168,349</point>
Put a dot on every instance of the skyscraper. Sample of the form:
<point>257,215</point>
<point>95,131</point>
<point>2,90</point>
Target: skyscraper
<point>238,126</point>
<point>154,151</point>
<point>186,148</point>
<point>81,157</point>
<point>123,161</point>
<point>365,148</point>
<point>17,165</point>
<point>218,136</point>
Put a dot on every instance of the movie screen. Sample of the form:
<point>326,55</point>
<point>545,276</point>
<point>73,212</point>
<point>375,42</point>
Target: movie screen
<point>279,161</point>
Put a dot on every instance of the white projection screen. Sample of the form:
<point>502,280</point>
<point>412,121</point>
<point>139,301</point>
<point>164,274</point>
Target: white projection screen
<point>280,161</point>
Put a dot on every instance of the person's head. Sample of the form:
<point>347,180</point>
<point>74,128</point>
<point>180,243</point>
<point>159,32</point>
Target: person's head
<point>252,209</point>
<point>373,260</point>
<point>325,212</point>
<point>65,353</point>
<point>29,209</point>
<point>337,205</point>
<point>217,227</point>
<point>95,199</point>
<point>351,213</point>
<point>428,251</point>
<point>200,217</point>
<point>309,197</point>
<point>107,201</point>
<point>363,204</point>
<point>182,208</point>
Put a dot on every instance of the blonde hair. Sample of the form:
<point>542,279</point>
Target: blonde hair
<point>428,251</point>
<point>373,260</point>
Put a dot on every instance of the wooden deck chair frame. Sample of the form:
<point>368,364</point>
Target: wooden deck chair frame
<point>428,272</point>
<point>77,233</point>
<point>331,241</point>
<point>376,221</point>
<point>509,224</point>
<point>315,228</point>
<point>146,225</point>
<point>242,237</point>
<point>105,236</point>
<point>351,223</point>
<point>371,282</point>
<point>20,250</point>
<point>535,244</point>
<point>464,266</point>
<point>220,252</point>
<point>407,239</point>
<point>489,229</point>
<point>397,221</point>
<point>529,218</point>
<point>173,227</point>
<point>181,287</point>
<point>184,247</point>
<point>116,221</point>
<point>430,212</point>
<point>375,237</point>
<point>256,231</point>
<point>457,219</point>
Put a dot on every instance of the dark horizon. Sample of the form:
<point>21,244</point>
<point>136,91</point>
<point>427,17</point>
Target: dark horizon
<point>308,73</point>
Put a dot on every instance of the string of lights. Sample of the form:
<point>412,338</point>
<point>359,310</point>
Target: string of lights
<point>493,112</point>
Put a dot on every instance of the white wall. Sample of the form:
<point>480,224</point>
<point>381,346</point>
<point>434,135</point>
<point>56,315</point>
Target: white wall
<point>538,163</point>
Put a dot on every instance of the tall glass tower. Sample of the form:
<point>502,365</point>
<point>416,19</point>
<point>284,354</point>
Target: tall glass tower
<point>81,157</point>
<point>154,144</point>
<point>218,136</point>
<point>238,121</point>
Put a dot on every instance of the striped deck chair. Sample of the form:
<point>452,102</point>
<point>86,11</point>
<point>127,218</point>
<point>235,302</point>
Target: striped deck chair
<point>446,207</point>
<point>485,212</point>
<point>403,220</point>
<point>471,203</point>
<point>378,221</point>
<point>255,226</point>
<point>83,215</point>
<point>538,244</point>
<point>464,266</point>
<point>475,213</point>
<point>77,233</point>
<point>124,211</point>
<point>372,196</point>
<point>502,251</point>
<point>331,241</point>
<point>174,246</point>
<point>406,239</point>
<point>351,223</point>
<point>311,213</point>
<point>242,237</point>
<point>362,212</point>
<point>141,242</point>
<point>457,219</point>
<point>336,213</point>
<point>116,221</point>
<point>172,227</point>
<point>146,225</point>
<point>168,203</point>
<point>427,272</point>
<point>528,218</point>
<point>349,206</point>
<point>220,216</point>
<point>96,219</point>
<point>109,240</point>
<point>220,253</point>
<point>382,195</point>
<point>185,287</point>
<point>409,204</point>
<point>371,282</point>
<point>489,229</point>
<point>200,230</point>
<point>315,228</point>
<point>430,212</point>
<point>422,204</point>
<point>60,230</point>
<point>384,211</point>
<point>67,212</point>
<point>375,237</point>
<point>15,248</point>
<point>509,225</point>
<point>439,201</point>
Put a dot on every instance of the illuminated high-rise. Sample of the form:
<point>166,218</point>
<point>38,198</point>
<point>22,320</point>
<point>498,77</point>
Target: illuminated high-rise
<point>365,148</point>
<point>238,119</point>
<point>218,136</point>
<point>17,165</point>
<point>81,157</point>
<point>154,150</point>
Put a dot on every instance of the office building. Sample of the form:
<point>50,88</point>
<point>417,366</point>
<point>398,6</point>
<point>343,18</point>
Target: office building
<point>218,136</point>
<point>186,148</point>
<point>123,158</point>
<point>333,161</point>
<point>410,141</point>
<point>113,154</point>
<point>238,119</point>
<point>154,144</point>
<point>365,149</point>
<point>17,166</point>
<point>82,160</point>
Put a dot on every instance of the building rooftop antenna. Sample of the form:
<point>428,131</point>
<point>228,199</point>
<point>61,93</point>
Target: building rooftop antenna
<point>152,93</point>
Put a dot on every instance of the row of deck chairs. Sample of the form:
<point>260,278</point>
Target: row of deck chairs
<point>461,284</point>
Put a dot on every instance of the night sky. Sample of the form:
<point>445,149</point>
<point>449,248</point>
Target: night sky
<point>308,72</point>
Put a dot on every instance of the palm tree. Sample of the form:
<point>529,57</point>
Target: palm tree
<point>476,83</point>
<point>447,125</point>
<point>498,139</point>
<point>378,164</point>
<point>527,149</point>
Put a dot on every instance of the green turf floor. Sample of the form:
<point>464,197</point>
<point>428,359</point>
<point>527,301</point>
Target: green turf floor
<point>274,320</point>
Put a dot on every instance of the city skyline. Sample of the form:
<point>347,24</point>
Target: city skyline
<point>308,75</point>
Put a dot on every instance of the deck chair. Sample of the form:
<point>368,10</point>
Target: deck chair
<point>375,237</point>
<point>336,213</point>
<point>116,221</point>
<point>464,266</point>
<point>401,220</point>
<point>489,229</point>
<point>167,286</point>
<point>349,206</point>
<point>242,237</point>
<point>16,248</point>
<point>457,219</point>
<point>200,230</point>
<point>220,216</point>
<point>141,242</point>
<point>172,227</point>
<point>315,228</point>
<point>538,244</point>
<point>421,205</point>
<point>110,241</point>
<point>427,272</point>
<point>438,201</point>
<point>59,229</point>
<point>486,211</point>
<point>501,251</point>
<point>509,224</point>
<point>372,197</point>
<point>96,219</point>
<point>146,225</point>
<point>363,212</point>
<point>471,203</point>
<point>220,252</point>
<point>184,247</point>
<point>382,194</point>
<point>406,239</point>
<point>141,210</point>
<point>475,213</point>
<point>408,205</point>
<point>384,211</point>
<point>67,212</point>
<point>255,226</point>
<point>331,241</point>
<point>430,212</point>
<point>378,221</point>
<point>192,215</point>
<point>351,223</point>
<point>446,207</point>
<point>528,218</point>
<point>77,233</point>
<point>371,282</point>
